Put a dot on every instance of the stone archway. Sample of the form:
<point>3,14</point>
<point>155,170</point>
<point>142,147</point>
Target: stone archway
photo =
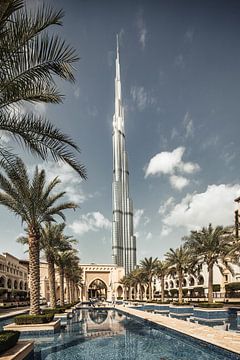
<point>97,289</point>
<point>119,292</point>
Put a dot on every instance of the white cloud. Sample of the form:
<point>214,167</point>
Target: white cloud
<point>76,91</point>
<point>188,36</point>
<point>179,61</point>
<point>149,236</point>
<point>142,30</point>
<point>141,97</point>
<point>215,205</point>
<point>168,204</point>
<point>139,218</point>
<point>92,221</point>
<point>166,230</point>
<point>168,162</point>
<point>188,125</point>
<point>178,182</point>
<point>70,180</point>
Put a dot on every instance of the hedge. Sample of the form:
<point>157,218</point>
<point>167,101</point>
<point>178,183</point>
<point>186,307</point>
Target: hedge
<point>207,305</point>
<point>57,310</point>
<point>216,287</point>
<point>33,319</point>
<point>234,286</point>
<point>8,339</point>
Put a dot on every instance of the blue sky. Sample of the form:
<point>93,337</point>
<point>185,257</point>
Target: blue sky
<point>180,72</point>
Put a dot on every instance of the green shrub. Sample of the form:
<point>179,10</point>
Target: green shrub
<point>176,303</point>
<point>8,339</point>
<point>33,319</point>
<point>119,298</point>
<point>57,310</point>
<point>216,287</point>
<point>234,286</point>
<point>207,305</point>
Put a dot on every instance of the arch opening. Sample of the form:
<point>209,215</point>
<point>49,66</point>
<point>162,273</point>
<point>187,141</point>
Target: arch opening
<point>97,290</point>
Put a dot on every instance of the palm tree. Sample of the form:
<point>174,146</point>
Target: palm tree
<point>73,276</point>
<point>30,59</point>
<point>52,241</point>
<point>63,259</point>
<point>149,266</point>
<point>213,247</point>
<point>180,261</point>
<point>32,201</point>
<point>161,272</point>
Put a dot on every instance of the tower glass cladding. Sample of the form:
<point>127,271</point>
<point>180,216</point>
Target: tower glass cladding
<point>123,240</point>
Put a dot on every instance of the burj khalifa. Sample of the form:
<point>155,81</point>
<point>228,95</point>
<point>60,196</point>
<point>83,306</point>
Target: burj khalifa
<point>123,240</point>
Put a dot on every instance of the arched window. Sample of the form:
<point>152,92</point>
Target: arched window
<point>171,284</point>
<point>200,280</point>
<point>15,285</point>
<point>177,283</point>
<point>9,283</point>
<point>21,285</point>
<point>166,285</point>
<point>2,282</point>
<point>184,283</point>
<point>191,281</point>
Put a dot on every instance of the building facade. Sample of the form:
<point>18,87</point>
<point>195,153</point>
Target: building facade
<point>123,239</point>
<point>99,281</point>
<point>13,278</point>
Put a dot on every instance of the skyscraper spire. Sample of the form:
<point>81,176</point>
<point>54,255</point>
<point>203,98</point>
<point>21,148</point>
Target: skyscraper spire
<point>123,240</point>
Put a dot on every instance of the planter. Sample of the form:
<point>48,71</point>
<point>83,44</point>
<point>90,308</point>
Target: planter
<point>209,314</point>
<point>36,329</point>
<point>8,339</point>
<point>22,350</point>
<point>181,311</point>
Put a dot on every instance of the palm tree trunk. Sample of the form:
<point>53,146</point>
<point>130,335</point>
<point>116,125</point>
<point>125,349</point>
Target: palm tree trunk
<point>162,288</point>
<point>210,284</point>
<point>61,273</point>
<point>34,272</point>
<point>68,291</point>
<point>52,282</point>
<point>180,292</point>
<point>150,290</point>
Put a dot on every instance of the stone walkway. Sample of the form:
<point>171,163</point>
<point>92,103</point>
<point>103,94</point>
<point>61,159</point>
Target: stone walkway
<point>227,340</point>
<point>13,313</point>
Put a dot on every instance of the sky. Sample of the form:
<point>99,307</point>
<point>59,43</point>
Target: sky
<point>180,73</point>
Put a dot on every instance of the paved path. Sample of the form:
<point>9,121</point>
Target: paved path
<point>13,313</point>
<point>227,340</point>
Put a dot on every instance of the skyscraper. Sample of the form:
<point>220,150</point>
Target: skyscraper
<point>123,240</point>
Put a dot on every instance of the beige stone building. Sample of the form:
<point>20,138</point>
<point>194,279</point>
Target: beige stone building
<point>13,278</point>
<point>99,280</point>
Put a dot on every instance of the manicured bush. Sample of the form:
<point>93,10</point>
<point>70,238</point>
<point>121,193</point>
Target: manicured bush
<point>176,303</point>
<point>234,286</point>
<point>119,298</point>
<point>210,306</point>
<point>8,339</point>
<point>216,287</point>
<point>33,319</point>
<point>58,310</point>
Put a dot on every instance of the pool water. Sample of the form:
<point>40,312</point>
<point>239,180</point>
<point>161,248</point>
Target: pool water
<point>110,335</point>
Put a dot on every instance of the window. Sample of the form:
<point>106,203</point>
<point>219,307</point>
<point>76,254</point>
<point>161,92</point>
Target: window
<point>225,277</point>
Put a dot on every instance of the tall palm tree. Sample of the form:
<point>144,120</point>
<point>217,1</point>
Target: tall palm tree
<point>52,241</point>
<point>213,247</point>
<point>73,276</point>
<point>30,59</point>
<point>180,260</point>
<point>161,271</point>
<point>149,266</point>
<point>34,202</point>
<point>63,259</point>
